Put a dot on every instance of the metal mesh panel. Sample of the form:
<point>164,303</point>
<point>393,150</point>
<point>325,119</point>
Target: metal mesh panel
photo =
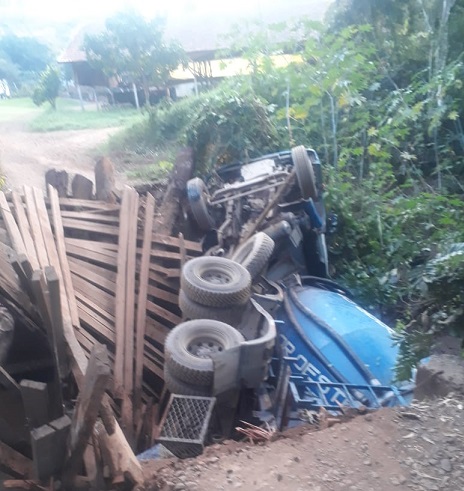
<point>185,423</point>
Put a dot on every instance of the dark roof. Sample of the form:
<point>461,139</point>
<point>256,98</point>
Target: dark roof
<point>203,32</point>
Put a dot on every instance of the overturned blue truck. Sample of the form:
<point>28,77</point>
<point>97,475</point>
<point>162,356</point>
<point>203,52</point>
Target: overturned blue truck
<point>268,337</point>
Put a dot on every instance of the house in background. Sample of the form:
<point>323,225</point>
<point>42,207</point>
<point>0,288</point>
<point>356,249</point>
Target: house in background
<point>203,34</point>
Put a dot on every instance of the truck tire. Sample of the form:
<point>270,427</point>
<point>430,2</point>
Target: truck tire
<point>197,195</point>
<point>192,310</point>
<point>177,386</point>
<point>304,172</point>
<point>189,346</point>
<point>216,282</point>
<point>254,253</point>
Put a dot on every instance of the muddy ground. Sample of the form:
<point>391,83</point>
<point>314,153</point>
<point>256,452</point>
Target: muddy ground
<point>416,448</point>
<point>26,156</point>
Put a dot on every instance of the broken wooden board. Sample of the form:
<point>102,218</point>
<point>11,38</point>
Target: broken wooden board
<point>88,404</point>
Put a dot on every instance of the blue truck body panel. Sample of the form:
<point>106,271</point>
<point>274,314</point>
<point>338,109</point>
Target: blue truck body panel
<point>332,339</point>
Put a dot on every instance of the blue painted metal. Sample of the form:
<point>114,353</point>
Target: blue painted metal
<point>337,347</point>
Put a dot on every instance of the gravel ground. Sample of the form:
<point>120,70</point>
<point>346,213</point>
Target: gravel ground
<point>416,448</point>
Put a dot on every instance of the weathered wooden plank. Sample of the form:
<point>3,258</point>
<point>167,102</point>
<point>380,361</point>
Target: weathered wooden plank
<point>11,226</point>
<point>167,272</point>
<point>169,283</point>
<point>154,354</point>
<point>96,322</point>
<point>168,240</point>
<point>72,223</point>
<point>97,308</point>
<point>81,267</point>
<point>169,297</point>
<point>31,211</point>
<point>24,228</point>
<point>14,461</point>
<point>105,258</point>
<point>21,274</point>
<point>61,249</point>
<point>47,234</point>
<point>142,298</point>
<point>91,217</point>
<point>93,245</point>
<point>127,407</point>
<point>121,293</point>
<point>88,404</point>
<point>117,452</point>
<point>49,301</point>
<point>174,255</point>
<point>103,299</point>
<point>88,204</point>
<point>163,313</point>
<point>183,250</point>
<point>49,447</point>
<point>90,275</point>
<point>156,331</point>
<point>36,402</point>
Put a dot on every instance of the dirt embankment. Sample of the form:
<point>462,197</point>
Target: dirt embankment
<point>417,448</point>
<point>26,156</point>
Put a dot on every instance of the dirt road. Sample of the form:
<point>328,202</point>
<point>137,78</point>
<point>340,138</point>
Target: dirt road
<point>417,448</point>
<point>26,156</point>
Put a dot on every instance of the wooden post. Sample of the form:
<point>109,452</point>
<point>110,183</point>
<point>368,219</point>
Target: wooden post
<point>127,406</point>
<point>86,412</point>
<point>142,300</point>
<point>36,402</point>
<point>49,447</point>
<point>120,323</point>
<point>59,342</point>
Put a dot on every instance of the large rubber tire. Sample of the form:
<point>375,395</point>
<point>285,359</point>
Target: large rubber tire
<point>192,310</point>
<point>189,346</point>
<point>254,253</point>
<point>197,194</point>
<point>216,282</point>
<point>304,172</point>
<point>177,386</point>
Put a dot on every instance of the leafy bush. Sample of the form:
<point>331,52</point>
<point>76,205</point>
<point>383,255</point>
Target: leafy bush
<point>48,87</point>
<point>222,125</point>
<point>152,172</point>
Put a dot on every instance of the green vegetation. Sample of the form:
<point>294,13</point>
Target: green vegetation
<point>16,109</point>
<point>68,116</point>
<point>133,48</point>
<point>378,91</point>
<point>22,59</point>
<point>48,87</point>
<point>221,125</point>
<point>151,172</point>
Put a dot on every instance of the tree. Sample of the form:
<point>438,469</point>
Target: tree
<point>48,88</point>
<point>134,48</point>
<point>8,70</point>
<point>27,53</point>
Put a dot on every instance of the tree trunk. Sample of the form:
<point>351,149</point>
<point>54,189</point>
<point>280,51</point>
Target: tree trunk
<point>136,97</point>
<point>146,90</point>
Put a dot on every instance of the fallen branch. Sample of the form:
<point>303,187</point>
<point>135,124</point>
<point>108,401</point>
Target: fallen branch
<point>256,433</point>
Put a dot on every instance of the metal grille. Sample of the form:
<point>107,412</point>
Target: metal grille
<point>185,423</point>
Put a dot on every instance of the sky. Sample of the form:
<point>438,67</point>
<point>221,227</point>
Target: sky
<point>63,10</point>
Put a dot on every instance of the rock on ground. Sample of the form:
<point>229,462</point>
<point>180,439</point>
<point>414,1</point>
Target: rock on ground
<point>420,447</point>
